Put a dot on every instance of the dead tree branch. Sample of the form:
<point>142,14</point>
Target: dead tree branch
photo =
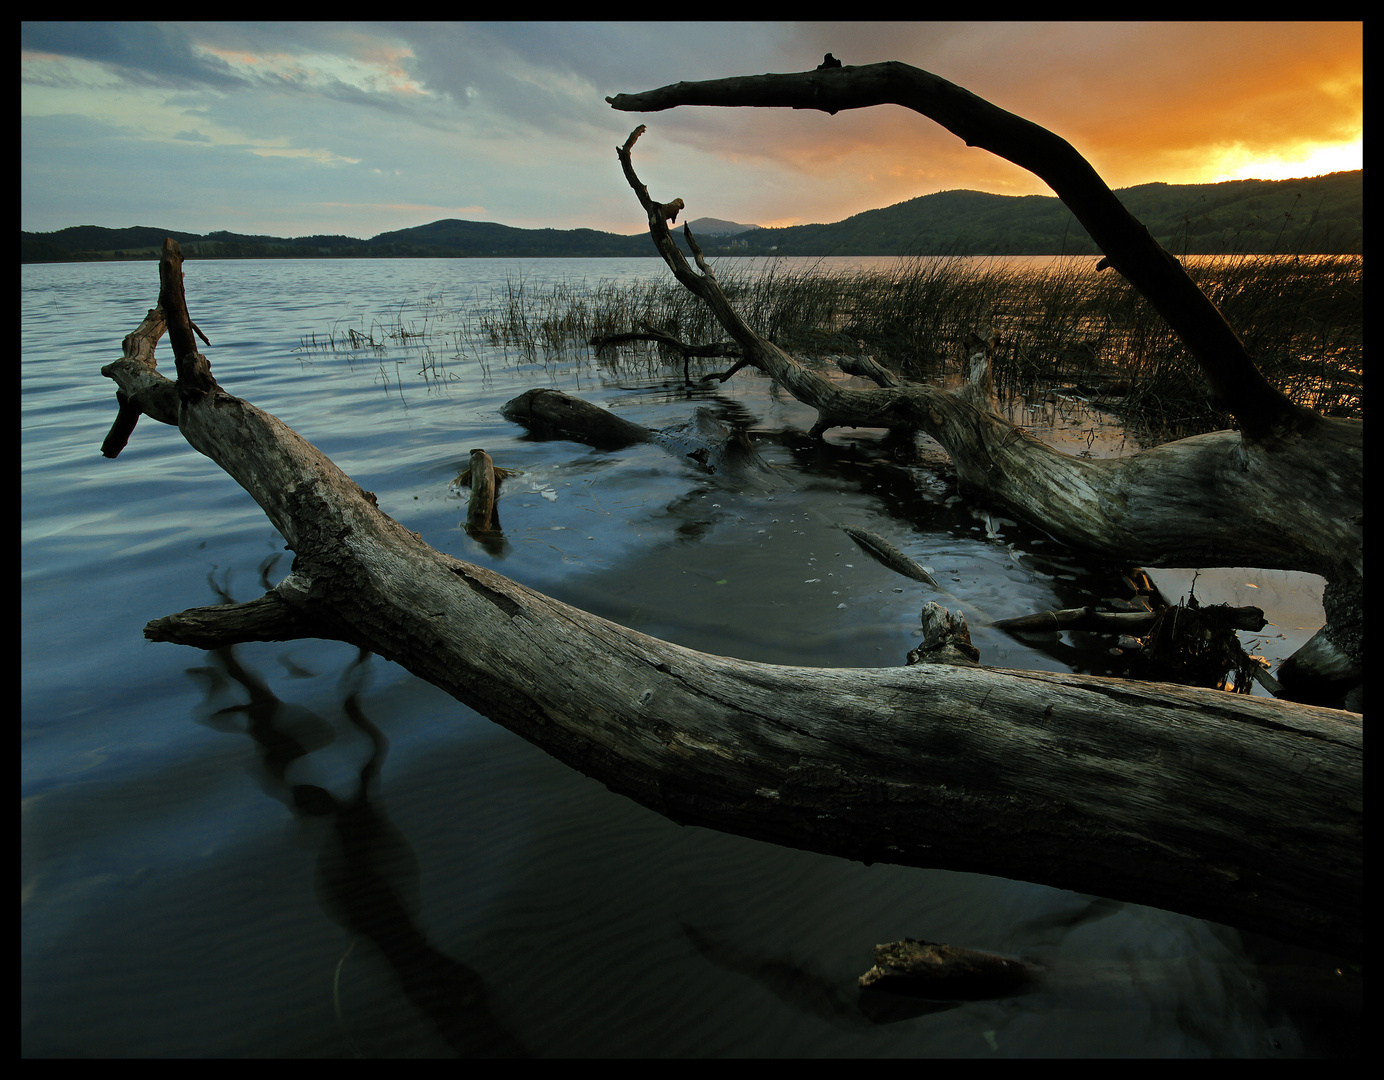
<point>1235,382</point>
<point>1284,492</point>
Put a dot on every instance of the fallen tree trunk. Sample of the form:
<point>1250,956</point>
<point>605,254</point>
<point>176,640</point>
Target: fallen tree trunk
<point>1283,492</point>
<point>1241,810</point>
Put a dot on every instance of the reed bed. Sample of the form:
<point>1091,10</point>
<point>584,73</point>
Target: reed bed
<point>1059,325</point>
<point>1062,325</point>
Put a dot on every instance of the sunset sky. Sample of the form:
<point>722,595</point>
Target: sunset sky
<point>358,128</point>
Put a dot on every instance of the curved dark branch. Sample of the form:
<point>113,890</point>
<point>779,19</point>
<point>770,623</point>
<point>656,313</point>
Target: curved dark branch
<point>1234,380</point>
<point>836,405</point>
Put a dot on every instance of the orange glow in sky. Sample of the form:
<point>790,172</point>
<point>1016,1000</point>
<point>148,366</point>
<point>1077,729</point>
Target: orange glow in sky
<point>1174,102</point>
<point>358,128</point>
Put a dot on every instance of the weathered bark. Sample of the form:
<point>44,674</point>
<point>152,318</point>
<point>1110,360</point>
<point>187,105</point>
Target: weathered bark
<point>869,368</point>
<point>1283,492</point>
<point>1242,810</point>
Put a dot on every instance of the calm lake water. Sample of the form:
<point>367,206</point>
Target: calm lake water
<point>173,905</point>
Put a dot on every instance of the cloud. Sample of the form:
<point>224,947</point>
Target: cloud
<point>150,54</point>
<point>512,116</point>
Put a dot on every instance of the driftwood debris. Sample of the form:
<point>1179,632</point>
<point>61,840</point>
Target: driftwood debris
<point>1119,622</point>
<point>923,971</point>
<point>1237,809</point>
<point>480,510</point>
<point>702,442</point>
<point>686,351</point>
<point>1243,810</point>
<point>929,970</point>
<point>562,414</point>
<point>888,554</point>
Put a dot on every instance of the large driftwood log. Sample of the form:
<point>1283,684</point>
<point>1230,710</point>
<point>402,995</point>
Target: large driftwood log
<point>1283,492</point>
<point>1241,810</point>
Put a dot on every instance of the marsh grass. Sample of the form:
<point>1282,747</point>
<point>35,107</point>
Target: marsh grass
<point>1063,325</point>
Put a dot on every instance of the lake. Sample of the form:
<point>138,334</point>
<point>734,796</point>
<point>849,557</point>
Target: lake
<point>172,905</point>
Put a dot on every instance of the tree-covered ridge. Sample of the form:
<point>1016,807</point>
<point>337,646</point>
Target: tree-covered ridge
<point>1322,215</point>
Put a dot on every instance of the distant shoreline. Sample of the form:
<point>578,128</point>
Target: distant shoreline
<point>655,256</point>
<point>1320,215</point>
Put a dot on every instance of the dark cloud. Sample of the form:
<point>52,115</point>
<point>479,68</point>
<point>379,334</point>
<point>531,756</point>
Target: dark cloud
<point>149,54</point>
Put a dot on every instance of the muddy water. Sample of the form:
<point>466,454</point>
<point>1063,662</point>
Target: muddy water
<point>177,902</point>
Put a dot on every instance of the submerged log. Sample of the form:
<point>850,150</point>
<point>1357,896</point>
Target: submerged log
<point>888,554</point>
<point>1119,622</point>
<point>701,441</point>
<point>929,970</point>
<point>558,413</point>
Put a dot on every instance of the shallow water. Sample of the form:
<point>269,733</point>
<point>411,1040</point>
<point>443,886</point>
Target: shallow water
<point>172,904</point>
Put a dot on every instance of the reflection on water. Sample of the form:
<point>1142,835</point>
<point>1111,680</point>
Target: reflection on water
<point>206,835</point>
<point>367,874</point>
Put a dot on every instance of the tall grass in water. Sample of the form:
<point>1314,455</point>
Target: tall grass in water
<point>564,316</point>
<point>1059,324</point>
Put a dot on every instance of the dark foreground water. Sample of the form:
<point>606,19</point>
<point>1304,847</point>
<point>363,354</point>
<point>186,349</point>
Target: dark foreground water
<point>174,905</point>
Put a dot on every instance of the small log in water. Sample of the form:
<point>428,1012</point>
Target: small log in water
<point>946,639</point>
<point>928,970</point>
<point>480,512</point>
<point>1120,622</point>
<point>554,411</point>
<point>888,554</point>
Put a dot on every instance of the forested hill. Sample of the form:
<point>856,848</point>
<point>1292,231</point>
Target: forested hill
<point>1321,214</point>
<point>440,239</point>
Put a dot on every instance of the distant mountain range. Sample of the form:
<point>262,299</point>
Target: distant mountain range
<point>1318,215</point>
